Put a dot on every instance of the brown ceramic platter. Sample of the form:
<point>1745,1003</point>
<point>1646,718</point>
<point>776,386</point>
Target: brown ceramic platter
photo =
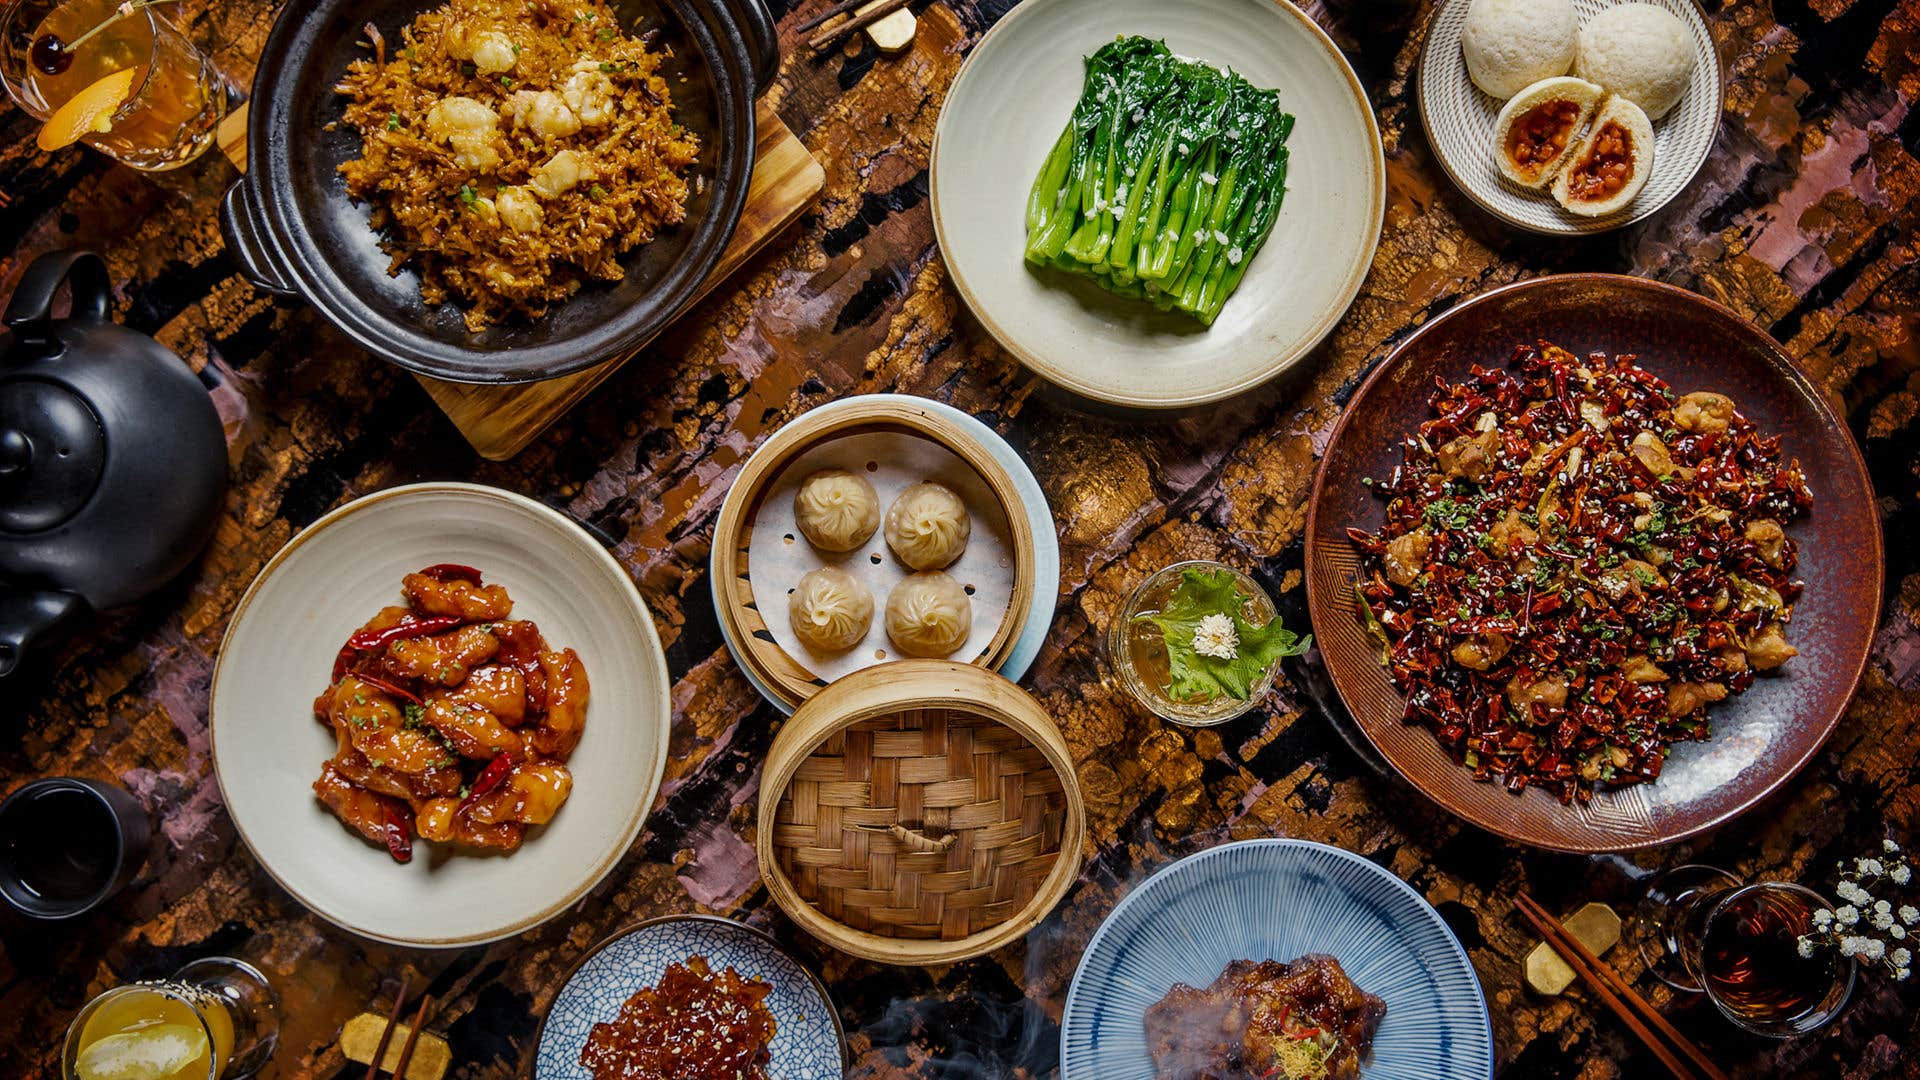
<point>1760,738</point>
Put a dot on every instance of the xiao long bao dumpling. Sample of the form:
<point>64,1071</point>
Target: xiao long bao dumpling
<point>836,509</point>
<point>929,615</point>
<point>830,610</point>
<point>928,526</point>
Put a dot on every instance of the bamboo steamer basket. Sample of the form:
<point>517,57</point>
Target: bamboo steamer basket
<point>746,619</point>
<point>919,812</point>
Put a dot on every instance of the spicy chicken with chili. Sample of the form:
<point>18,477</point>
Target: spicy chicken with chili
<point>1577,562</point>
<point>453,720</point>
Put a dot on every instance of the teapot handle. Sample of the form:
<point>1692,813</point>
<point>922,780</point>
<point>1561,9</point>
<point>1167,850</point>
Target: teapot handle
<point>30,312</point>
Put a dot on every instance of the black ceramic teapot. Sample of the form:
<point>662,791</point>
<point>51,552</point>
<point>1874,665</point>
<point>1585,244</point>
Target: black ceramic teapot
<point>112,460</point>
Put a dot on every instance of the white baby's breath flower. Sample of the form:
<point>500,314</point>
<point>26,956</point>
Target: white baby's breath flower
<point>1900,957</point>
<point>1882,907</point>
<point>1881,920</point>
<point>1909,914</point>
<point>1217,638</point>
<point>1873,948</point>
<point>1850,945</point>
<point>1897,932</point>
<point>1900,874</point>
<point>1889,846</point>
<point>1852,893</point>
<point>1822,918</point>
<point>1846,915</point>
<point>1806,947</point>
<point>1872,867</point>
<point>1902,974</point>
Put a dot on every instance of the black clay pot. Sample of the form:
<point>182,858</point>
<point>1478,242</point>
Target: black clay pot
<point>294,231</point>
<point>113,461</point>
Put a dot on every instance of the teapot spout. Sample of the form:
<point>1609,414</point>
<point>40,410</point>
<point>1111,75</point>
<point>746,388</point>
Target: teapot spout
<point>34,621</point>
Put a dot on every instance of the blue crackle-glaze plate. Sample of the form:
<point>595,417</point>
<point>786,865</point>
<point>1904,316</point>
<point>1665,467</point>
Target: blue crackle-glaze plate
<point>1278,900</point>
<point>808,1043</point>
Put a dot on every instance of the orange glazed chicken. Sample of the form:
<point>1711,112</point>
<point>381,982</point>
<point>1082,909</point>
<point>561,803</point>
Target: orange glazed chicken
<point>453,720</point>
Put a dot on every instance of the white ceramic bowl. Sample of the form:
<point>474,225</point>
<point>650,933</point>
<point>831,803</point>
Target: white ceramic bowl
<point>278,654</point>
<point>1007,108</point>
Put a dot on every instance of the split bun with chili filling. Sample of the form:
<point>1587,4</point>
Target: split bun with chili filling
<point>1539,128</point>
<point>1608,167</point>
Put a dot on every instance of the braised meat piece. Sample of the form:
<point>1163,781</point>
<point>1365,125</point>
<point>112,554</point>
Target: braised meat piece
<point>1265,1020</point>
<point>426,706</point>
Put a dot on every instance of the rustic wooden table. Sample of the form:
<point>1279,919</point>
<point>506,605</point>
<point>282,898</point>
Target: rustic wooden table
<point>1803,219</point>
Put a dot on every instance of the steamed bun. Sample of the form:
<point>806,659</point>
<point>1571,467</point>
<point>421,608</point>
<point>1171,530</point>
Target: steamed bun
<point>1512,44</point>
<point>1642,52</point>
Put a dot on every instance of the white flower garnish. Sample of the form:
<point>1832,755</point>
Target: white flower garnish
<point>1217,638</point>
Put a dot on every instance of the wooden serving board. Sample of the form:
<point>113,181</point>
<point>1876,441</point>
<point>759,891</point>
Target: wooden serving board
<point>501,420</point>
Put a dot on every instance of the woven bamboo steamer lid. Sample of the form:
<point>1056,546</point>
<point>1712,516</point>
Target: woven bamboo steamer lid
<point>732,533</point>
<point>976,777</point>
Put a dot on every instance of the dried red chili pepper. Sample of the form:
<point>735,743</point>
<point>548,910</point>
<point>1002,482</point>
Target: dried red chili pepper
<point>413,627</point>
<point>449,571</point>
<point>489,778</point>
<point>399,833</point>
<point>383,685</point>
<point>343,660</point>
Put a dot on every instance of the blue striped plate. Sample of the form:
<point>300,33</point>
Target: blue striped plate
<point>1278,900</point>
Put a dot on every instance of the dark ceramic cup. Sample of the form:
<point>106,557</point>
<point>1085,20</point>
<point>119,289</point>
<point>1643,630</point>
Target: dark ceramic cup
<point>67,844</point>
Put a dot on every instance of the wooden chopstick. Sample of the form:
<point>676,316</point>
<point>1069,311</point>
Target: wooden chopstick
<point>838,31</point>
<point>386,1034</point>
<point>1612,989</point>
<point>840,8</point>
<point>406,1048</point>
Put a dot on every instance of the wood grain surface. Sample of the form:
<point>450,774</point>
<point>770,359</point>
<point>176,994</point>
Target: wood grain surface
<point>1803,220</point>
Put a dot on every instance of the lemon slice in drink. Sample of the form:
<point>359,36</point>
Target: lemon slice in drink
<point>87,112</point>
<point>159,1052</point>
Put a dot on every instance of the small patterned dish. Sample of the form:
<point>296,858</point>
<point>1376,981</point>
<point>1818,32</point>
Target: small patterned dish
<point>1459,119</point>
<point>808,1043</point>
<point>1279,899</point>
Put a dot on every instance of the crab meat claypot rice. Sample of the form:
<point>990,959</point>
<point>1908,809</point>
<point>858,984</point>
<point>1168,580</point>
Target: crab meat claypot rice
<point>513,149</point>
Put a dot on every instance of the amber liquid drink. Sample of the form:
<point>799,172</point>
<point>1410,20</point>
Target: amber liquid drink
<point>51,52</point>
<point>215,1019</point>
<point>1751,965</point>
<point>1138,651</point>
<point>1702,931</point>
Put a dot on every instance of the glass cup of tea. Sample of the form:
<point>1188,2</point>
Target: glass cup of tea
<point>1137,651</point>
<point>52,51</point>
<point>1701,930</point>
<point>215,1019</point>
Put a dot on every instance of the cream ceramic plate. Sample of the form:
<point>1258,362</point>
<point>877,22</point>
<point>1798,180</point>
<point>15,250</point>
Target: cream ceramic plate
<point>1459,119</point>
<point>1007,108</point>
<point>278,652</point>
